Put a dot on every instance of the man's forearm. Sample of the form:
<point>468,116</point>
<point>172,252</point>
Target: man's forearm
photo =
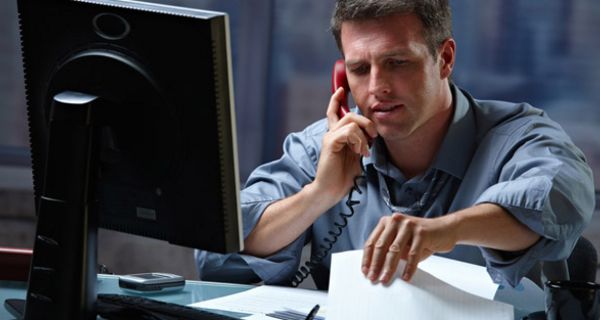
<point>285,220</point>
<point>489,225</point>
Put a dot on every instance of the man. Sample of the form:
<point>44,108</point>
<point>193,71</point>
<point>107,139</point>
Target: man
<point>486,182</point>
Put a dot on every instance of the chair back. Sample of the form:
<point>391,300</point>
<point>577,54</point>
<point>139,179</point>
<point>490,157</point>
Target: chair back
<point>15,263</point>
<point>580,266</point>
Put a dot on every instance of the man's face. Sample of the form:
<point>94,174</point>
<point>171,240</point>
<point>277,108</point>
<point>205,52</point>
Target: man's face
<point>393,77</point>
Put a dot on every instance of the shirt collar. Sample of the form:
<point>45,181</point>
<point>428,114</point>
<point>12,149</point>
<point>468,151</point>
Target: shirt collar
<point>456,149</point>
<point>379,160</point>
<point>458,145</point>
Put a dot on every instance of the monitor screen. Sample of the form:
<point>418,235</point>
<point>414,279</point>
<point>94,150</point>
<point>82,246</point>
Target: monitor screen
<point>132,125</point>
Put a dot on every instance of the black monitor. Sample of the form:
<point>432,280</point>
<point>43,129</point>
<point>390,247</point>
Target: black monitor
<point>132,128</point>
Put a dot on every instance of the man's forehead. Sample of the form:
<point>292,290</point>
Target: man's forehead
<point>378,39</point>
<point>398,26</point>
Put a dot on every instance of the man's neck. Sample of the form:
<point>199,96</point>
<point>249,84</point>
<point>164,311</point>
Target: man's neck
<point>415,154</point>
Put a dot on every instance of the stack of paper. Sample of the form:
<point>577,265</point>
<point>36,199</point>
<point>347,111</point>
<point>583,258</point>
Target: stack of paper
<point>262,300</point>
<point>353,296</point>
<point>441,289</point>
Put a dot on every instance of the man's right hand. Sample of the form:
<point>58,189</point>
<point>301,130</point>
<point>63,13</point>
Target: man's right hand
<point>285,220</point>
<point>343,145</point>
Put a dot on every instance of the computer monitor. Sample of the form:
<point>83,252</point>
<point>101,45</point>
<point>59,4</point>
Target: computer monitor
<point>132,128</point>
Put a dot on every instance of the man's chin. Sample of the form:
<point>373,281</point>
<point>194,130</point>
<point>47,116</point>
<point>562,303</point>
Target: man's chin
<point>392,135</point>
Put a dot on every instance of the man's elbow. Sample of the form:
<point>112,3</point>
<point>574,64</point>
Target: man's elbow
<point>255,246</point>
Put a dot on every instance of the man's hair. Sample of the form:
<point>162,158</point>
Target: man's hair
<point>434,14</point>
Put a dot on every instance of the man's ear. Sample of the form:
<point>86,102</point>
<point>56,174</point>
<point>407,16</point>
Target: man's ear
<point>447,56</point>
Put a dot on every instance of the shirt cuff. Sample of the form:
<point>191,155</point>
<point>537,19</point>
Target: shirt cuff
<point>505,268</point>
<point>523,198</point>
<point>223,268</point>
<point>252,211</point>
<point>278,268</point>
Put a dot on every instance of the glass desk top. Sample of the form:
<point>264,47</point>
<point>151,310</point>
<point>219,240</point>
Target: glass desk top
<point>193,291</point>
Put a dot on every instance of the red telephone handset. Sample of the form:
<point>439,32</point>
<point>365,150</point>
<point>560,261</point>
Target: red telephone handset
<point>339,79</point>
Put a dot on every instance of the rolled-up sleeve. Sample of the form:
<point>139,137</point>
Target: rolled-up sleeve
<point>269,183</point>
<point>546,184</point>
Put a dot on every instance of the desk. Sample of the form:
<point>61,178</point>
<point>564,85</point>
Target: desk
<point>193,291</point>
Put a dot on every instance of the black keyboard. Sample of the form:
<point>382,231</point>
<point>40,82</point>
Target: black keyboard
<point>116,306</point>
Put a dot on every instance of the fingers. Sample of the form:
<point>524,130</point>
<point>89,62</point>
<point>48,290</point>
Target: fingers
<point>370,247</point>
<point>413,258</point>
<point>335,122</point>
<point>395,253</point>
<point>334,105</point>
<point>366,125</point>
<point>395,238</point>
<point>382,247</point>
<point>353,130</point>
<point>352,136</point>
<point>358,143</point>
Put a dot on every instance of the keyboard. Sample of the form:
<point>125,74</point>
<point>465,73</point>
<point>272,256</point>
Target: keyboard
<point>116,306</point>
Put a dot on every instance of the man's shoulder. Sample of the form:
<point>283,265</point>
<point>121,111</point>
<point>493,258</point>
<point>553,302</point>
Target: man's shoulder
<point>502,123</point>
<point>310,137</point>
<point>313,131</point>
<point>317,128</point>
<point>504,116</point>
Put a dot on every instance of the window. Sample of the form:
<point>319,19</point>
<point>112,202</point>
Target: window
<point>283,52</point>
<point>541,52</point>
<point>13,112</point>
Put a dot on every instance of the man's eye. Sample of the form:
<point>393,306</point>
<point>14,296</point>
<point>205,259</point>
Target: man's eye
<point>360,70</point>
<point>396,62</point>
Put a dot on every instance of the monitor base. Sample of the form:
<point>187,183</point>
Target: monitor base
<point>16,307</point>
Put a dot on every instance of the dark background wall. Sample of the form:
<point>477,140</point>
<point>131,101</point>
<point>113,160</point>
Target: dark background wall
<point>543,52</point>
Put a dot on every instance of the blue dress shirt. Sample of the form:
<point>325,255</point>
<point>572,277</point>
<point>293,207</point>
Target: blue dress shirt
<point>497,152</point>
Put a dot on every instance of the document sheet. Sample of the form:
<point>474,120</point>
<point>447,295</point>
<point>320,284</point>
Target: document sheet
<point>266,299</point>
<point>468,277</point>
<point>353,296</point>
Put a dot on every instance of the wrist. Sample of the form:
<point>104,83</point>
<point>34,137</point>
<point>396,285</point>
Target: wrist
<point>319,199</point>
<point>455,224</point>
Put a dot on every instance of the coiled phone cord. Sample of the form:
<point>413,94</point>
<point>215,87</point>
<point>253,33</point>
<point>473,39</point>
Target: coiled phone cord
<point>439,180</point>
<point>304,271</point>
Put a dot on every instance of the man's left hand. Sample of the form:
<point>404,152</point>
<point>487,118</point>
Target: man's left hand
<point>402,237</point>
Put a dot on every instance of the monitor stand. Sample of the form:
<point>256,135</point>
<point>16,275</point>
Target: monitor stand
<point>62,278</point>
<point>16,307</point>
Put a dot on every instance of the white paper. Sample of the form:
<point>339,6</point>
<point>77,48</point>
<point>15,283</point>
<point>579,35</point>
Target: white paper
<point>353,296</point>
<point>526,297</point>
<point>257,317</point>
<point>468,277</point>
<point>265,299</point>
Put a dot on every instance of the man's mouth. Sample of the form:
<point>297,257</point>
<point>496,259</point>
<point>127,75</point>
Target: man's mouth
<point>385,108</point>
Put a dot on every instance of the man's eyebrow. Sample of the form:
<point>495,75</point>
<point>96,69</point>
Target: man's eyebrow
<point>350,63</point>
<point>395,53</point>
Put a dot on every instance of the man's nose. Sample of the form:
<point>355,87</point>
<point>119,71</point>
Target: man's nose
<point>379,82</point>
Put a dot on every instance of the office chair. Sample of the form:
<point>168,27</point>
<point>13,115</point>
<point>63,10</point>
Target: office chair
<point>580,266</point>
<point>583,262</point>
<point>14,263</point>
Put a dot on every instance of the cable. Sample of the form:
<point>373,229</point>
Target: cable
<point>437,183</point>
<point>304,271</point>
